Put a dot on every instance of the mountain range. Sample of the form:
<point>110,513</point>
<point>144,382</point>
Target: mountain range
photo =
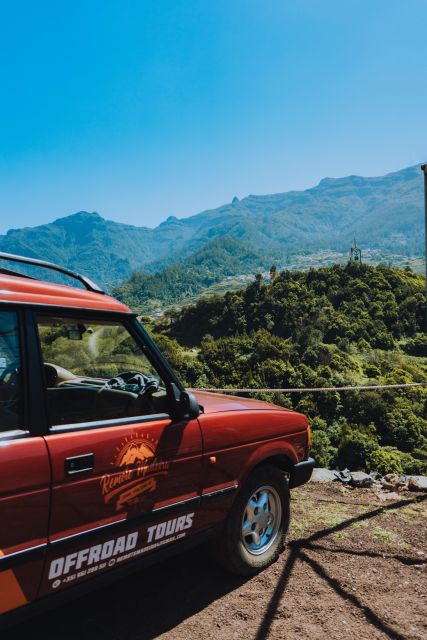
<point>383,213</point>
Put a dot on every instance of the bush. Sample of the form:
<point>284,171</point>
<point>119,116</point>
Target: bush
<point>321,449</point>
<point>411,465</point>
<point>355,450</point>
<point>317,424</point>
<point>417,346</point>
<point>403,428</point>
<point>372,371</point>
<point>363,345</point>
<point>384,341</point>
<point>385,460</point>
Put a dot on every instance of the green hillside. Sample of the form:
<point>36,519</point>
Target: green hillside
<point>219,259</point>
<point>334,326</point>
<point>384,213</point>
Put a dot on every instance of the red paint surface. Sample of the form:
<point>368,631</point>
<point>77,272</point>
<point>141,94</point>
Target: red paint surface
<point>24,290</point>
<point>24,493</point>
<point>78,502</point>
<point>24,513</point>
<point>216,402</point>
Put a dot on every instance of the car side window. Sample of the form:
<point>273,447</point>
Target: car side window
<point>11,392</point>
<point>96,371</point>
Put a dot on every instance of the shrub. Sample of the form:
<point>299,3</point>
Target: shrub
<point>355,450</point>
<point>317,424</point>
<point>363,345</point>
<point>385,460</point>
<point>364,408</point>
<point>384,341</point>
<point>372,371</point>
<point>403,428</point>
<point>321,449</point>
<point>417,346</point>
<point>421,451</point>
<point>411,465</point>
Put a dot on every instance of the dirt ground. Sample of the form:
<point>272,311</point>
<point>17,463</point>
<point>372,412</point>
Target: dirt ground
<point>355,567</point>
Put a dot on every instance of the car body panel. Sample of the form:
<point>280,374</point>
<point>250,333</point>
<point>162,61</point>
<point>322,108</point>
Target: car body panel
<point>219,402</point>
<point>83,558</point>
<point>24,512</point>
<point>125,457</point>
<point>138,469</point>
<point>237,441</point>
<point>36,292</point>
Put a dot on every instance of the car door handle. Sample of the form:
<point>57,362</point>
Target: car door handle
<point>79,464</point>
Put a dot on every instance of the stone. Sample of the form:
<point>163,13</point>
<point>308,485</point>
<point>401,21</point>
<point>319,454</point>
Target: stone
<point>343,476</point>
<point>392,478</point>
<point>386,495</point>
<point>375,475</point>
<point>417,483</point>
<point>393,482</point>
<point>361,479</point>
<point>323,475</point>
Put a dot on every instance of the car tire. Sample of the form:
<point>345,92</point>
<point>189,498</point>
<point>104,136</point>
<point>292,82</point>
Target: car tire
<point>254,532</point>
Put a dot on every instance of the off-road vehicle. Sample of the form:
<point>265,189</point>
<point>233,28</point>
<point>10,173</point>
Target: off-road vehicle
<point>107,463</point>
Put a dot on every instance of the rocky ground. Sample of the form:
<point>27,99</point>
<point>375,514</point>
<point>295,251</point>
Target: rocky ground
<point>355,568</point>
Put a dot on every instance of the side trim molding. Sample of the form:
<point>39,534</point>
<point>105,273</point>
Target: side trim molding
<point>35,552</point>
<point>26,555</point>
<point>220,492</point>
<point>124,522</point>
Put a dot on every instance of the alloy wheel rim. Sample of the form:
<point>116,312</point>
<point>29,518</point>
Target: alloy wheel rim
<point>261,520</point>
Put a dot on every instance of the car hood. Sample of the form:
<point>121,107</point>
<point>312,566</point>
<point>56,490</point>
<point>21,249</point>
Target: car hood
<point>218,402</point>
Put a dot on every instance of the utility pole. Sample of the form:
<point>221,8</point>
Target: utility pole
<point>355,253</point>
<point>424,170</point>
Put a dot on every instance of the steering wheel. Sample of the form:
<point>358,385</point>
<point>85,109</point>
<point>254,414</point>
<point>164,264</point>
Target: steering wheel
<point>133,382</point>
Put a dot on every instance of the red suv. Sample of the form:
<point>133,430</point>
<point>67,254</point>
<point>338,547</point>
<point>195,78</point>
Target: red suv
<point>107,463</point>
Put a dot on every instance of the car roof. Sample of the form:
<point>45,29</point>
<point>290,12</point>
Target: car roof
<point>38,292</point>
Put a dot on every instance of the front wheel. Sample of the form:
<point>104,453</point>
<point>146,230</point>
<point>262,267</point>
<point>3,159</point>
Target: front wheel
<point>253,535</point>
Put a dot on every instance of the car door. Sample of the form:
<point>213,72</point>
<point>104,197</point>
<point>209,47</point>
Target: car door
<point>24,475</point>
<point>125,475</point>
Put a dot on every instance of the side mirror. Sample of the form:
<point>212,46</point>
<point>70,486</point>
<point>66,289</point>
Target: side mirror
<point>189,406</point>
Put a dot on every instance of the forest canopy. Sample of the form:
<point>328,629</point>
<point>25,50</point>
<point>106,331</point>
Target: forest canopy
<point>331,326</point>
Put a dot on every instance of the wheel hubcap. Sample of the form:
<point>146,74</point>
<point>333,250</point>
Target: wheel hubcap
<point>261,520</point>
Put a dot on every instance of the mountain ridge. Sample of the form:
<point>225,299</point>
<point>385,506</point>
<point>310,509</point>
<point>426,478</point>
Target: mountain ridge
<point>382,212</point>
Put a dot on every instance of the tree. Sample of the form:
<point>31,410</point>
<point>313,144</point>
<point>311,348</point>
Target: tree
<point>326,327</point>
<point>403,427</point>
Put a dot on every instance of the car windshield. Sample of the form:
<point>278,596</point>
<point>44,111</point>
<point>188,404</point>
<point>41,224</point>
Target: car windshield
<point>91,349</point>
<point>95,370</point>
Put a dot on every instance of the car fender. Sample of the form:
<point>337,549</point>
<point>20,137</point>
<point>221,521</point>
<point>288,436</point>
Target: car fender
<point>267,451</point>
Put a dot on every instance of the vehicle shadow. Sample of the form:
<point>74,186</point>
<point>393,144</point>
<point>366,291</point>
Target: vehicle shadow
<point>141,606</point>
<point>298,549</point>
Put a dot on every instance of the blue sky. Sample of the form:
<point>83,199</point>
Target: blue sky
<point>140,110</point>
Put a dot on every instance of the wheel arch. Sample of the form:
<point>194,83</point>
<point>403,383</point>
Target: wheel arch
<point>282,457</point>
<point>281,462</point>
